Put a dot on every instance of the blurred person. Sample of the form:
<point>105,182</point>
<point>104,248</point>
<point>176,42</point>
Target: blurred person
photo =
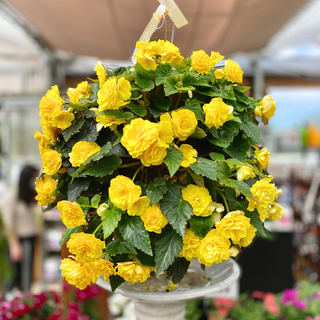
<point>19,217</point>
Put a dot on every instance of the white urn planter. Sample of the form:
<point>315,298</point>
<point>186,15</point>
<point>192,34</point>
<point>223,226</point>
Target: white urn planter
<point>152,302</point>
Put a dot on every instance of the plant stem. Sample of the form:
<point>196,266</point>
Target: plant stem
<point>116,132</point>
<point>136,173</point>
<point>225,201</point>
<point>129,165</point>
<point>98,227</point>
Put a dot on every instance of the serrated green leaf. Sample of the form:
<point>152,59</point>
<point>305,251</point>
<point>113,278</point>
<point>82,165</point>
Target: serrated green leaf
<point>178,270</point>
<point>84,201</point>
<point>226,134</point>
<point>201,225</point>
<point>229,91</point>
<point>67,233</point>
<point>176,210</point>
<point>198,134</point>
<point>135,95</point>
<point>73,129</point>
<point>241,89</point>
<point>162,73</point>
<point>118,140</point>
<point>132,229</point>
<point>200,82</point>
<point>137,109</point>
<point>242,97</point>
<point>170,86</point>
<point>110,219</point>
<point>236,119</point>
<point>77,187</point>
<point>115,282</point>
<point>238,106</point>
<point>186,79</point>
<point>223,171</point>
<point>95,89</point>
<point>168,247</point>
<point>104,167</point>
<point>111,113</point>
<point>155,190</point>
<point>238,148</point>
<point>143,82</point>
<point>88,132</point>
<point>120,246</point>
<point>216,156</point>
<point>214,133</point>
<point>95,201</point>
<point>215,92</point>
<point>127,115</point>
<point>164,104</point>
<point>252,131</point>
<point>195,107</point>
<point>146,73</point>
<point>234,162</point>
<point>196,178</point>
<point>173,160</point>
<point>205,167</point>
<point>145,259</point>
<point>155,111</point>
<point>88,113</point>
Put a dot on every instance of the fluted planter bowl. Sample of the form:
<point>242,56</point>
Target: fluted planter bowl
<point>155,299</point>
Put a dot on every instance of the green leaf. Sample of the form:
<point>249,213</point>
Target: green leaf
<point>162,73</point>
<point>242,97</point>
<point>77,187</point>
<point>83,201</point>
<point>238,148</point>
<point>241,89</point>
<point>252,131</point>
<point>201,225</point>
<point>186,79</point>
<point>104,167</point>
<point>168,247</point>
<point>146,73</point>
<point>234,162</point>
<point>155,111</point>
<point>115,282</point>
<point>145,259</point>
<point>118,140</point>
<point>88,132</point>
<point>236,119</point>
<point>229,91</point>
<point>223,171</point>
<point>170,86</point>
<point>95,89</point>
<point>178,270</point>
<point>176,210</point>
<point>205,167</point>
<point>132,229</point>
<point>145,83</point>
<point>155,190</point>
<point>216,156</point>
<point>173,160</point>
<point>127,115</point>
<point>120,246</point>
<point>226,134</point>
<point>74,128</point>
<point>88,113</point>
<point>215,92</point>
<point>95,201</point>
<point>164,104</point>
<point>239,106</point>
<point>137,109</point>
<point>199,82</point>
<point>198,134</point>
<point>66,149</point>
<point>111,113</point>
<point>195,107</point>
<point>110,219</point>
<point>67,233</point>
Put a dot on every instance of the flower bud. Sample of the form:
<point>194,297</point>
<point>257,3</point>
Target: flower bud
<point>190,94</point>
<point>102,208</point>
<point>258,111</point>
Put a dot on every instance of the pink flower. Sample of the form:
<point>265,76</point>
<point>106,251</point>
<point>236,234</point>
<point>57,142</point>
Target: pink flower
<point>300,304</point>
<point>224,302</point>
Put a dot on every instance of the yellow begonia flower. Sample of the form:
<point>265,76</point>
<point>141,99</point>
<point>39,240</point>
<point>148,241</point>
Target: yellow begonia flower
<point>82,151</point>
<point>189,155</point>
<point>102,73</point>
<point>233,71</point>
<point>213,249</point>
<point>202,63</point>
<point>153,219</point>
<point>265,193</point>
<point>105,268</point>
<point>45,186</point>
<point>191,244</point>
<point>169,53</point>
<point>86,247</point>
<point>138,136</point>
<point>263,158</point>
<point>51,104</point>
<point>109,121</point>
<point>78,273</point>
<point>139,207</point>
<point>154,155</point>
<point>123,192</point>
<point>275,212</point>
<point>199,199</point>
<point>245,173</point>
<point>81,92</point>
<point>219,74</point>
<point>146,54</point>
<point>63,120</point>
<point>184,123</point>
<point>113,94</point>
<point>165,135</point>
<point>71,214</point>
<point>51,161</point>
<point>237,227</point>
<point>133,271</point>
<point>43,143</point>
<point>217,113</point>
<point>268,107</point>
<point>51,133</point>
